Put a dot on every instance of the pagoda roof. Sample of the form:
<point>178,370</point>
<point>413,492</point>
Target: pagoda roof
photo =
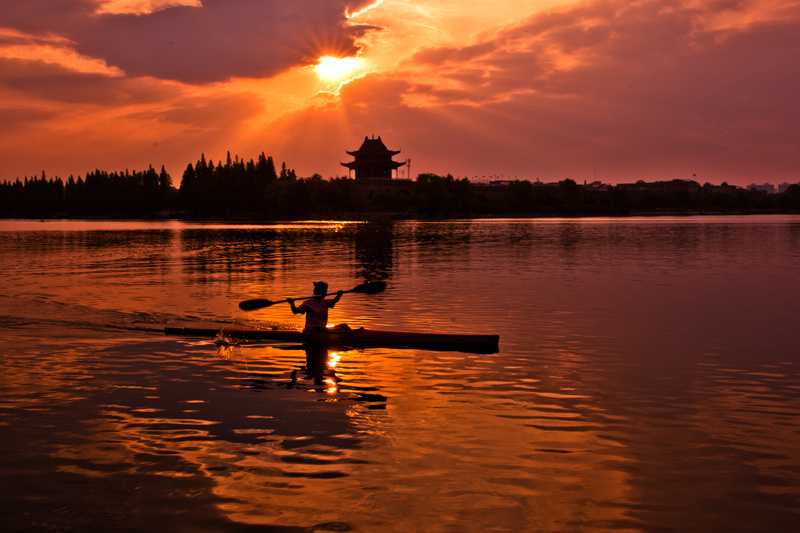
<point>373,147</point>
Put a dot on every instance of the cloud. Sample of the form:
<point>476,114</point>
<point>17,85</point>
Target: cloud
<point>141,6</point>
<point>215,41</point>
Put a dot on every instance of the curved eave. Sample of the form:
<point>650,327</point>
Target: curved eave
<point>355,165</point>
<point>368,153</point>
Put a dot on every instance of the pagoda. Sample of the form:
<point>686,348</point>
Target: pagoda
<point>373,160</point>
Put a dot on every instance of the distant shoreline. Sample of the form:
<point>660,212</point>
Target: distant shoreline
<point>389,217</point>
<point>224,195</point>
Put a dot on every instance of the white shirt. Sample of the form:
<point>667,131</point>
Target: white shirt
<point>316,312</point>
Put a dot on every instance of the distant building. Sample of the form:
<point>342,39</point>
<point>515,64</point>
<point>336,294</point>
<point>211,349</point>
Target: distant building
<point>766,187</point>
<point>724,188</point>
<point>595,186</point>
<point>662,187</point>
<point>373,160</point>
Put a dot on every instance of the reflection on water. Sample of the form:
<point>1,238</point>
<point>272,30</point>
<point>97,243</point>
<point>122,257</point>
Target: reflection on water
<point>320,368</point>
<point>647,378</point>
<point>374,250</point>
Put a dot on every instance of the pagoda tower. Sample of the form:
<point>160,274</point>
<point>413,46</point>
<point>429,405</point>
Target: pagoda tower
<point>373,160</point>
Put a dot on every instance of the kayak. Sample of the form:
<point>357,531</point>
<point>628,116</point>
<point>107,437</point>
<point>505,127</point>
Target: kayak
<point>355,337</point>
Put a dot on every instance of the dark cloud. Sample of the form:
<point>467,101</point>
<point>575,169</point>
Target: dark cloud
<point>46,16</point>
<point>53,82</point>
<point>220,40</point>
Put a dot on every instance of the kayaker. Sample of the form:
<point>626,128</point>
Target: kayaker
<point>316,308</point>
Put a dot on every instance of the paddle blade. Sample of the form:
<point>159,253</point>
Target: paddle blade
<point>252,305</point>
<point>371,287</point>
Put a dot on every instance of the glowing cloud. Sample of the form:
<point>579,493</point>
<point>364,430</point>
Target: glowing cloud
<point>142,6</point>
<point>336,68</point>
<point>50,49</point>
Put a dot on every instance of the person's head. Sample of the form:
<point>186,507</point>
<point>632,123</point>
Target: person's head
<point>320,287</point>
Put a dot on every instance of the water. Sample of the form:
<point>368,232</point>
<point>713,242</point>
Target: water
<point>648,378</point>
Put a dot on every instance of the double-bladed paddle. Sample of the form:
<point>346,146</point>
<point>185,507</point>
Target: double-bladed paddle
<point>370,287</point>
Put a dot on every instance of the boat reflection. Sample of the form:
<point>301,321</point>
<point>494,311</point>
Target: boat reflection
<point>268,371</point>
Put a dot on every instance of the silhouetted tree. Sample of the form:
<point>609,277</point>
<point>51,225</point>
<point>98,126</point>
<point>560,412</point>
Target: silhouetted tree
<point>520,197</point>
<point>618,201</point>
<point>569,194</point>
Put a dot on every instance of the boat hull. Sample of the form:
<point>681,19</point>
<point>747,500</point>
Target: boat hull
<point>356,337</point>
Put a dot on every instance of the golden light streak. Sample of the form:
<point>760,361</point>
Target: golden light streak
<point>357,13</point>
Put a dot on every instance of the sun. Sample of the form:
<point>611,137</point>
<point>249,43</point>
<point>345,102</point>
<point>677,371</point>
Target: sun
<point>336,68</point>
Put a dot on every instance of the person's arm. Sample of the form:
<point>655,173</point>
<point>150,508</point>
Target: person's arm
<point>337,298</point>
<point>295,310</point>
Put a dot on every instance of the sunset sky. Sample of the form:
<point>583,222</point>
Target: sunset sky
<point>613,90</point>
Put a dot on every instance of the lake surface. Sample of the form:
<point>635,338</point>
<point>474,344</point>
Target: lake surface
<point>648,377</point>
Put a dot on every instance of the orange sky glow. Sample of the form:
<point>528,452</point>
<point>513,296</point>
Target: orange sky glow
<point>610,90</point>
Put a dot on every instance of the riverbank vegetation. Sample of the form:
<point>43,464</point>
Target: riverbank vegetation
<point>257,190</point>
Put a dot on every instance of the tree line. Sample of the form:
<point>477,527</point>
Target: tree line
<point>99,193</point>
<point>257,190</point>
<point>677,196</point>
